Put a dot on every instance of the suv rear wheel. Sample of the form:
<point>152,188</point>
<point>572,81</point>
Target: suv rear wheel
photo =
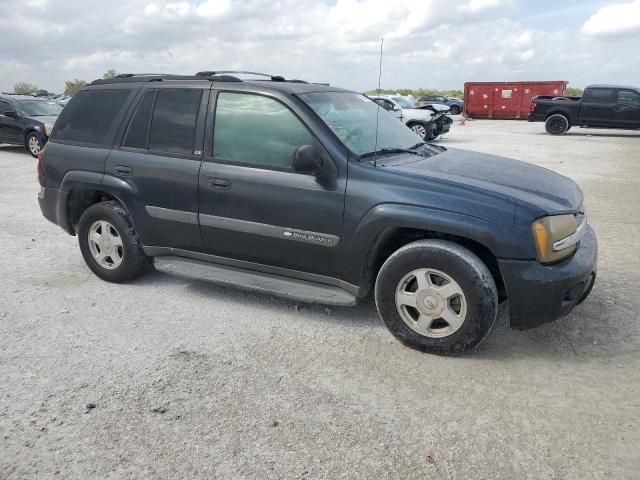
<point>34,144</point>
<point>437,296</point>
<point>109,244</point>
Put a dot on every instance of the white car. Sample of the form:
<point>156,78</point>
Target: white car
<point>427,122</point>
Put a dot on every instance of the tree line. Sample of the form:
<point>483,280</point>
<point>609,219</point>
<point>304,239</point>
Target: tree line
<point>70,86</point>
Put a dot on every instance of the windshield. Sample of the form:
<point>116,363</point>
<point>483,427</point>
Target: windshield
<point>403,102</point>
<point>38,108</point>
<point>352,117</point>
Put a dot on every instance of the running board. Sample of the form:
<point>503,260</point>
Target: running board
<point>291,288</point>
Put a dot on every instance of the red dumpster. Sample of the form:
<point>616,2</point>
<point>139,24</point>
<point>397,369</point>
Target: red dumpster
<point>506,99</point>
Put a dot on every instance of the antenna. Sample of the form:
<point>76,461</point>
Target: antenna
<point>375,147</point>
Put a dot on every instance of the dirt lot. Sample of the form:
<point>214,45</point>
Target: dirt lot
<point>167,378</point>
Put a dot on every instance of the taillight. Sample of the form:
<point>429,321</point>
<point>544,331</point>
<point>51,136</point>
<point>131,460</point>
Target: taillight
<point>532,106</point>
<point>42,176</point>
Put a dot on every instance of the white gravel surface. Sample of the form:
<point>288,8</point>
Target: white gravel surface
<point>168,378</point>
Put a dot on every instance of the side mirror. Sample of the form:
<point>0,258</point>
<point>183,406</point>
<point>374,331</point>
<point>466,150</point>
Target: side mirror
<point>10,114</point>
<point>306,159</point>
<point>309,159</point>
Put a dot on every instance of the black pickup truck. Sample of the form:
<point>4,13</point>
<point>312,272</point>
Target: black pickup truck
<point>601,106</point>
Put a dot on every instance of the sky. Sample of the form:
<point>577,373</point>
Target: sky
<point>427,43</point>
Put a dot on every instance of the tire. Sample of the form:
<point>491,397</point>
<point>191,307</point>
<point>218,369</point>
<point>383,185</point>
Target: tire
<point>453,289</point>
<point>455,110</point>
<point>33,144</point>
<point>556,124</point>
<point>422,129</point>
<point>123,258</point>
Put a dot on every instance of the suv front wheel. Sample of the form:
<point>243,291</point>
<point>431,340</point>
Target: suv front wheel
<point>109,244</point>
<point>437,296</point>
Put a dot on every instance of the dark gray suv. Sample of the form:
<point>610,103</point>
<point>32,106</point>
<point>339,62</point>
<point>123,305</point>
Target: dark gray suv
<point>317,194</point>
<point>455,105</point>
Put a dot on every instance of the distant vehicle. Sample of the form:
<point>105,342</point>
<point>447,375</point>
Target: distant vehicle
<point>27,120</point>
<point>314,193</point>
<point>455,104</point>
<point>601,106</point>
<point>428,123</point>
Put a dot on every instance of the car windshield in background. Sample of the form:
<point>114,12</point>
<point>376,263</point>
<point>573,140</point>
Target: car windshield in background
<point>403,102</point>
<point>38,108</point>
<point>352,117</point>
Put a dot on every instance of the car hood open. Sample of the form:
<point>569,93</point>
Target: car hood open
<point>527,183</point>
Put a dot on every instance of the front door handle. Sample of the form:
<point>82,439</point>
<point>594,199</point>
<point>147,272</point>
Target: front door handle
<point>122,170</point>
<point>219,183</point>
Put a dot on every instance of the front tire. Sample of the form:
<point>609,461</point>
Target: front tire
<point>109,244</point>
<point>436,296</point>
<point>33,144</point>
<point>455,110</point>
<point>556,124</point>
<point>423,130</point>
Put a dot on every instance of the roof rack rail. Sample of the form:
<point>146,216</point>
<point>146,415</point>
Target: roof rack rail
<point>208,73</point>
<point>159,77</point>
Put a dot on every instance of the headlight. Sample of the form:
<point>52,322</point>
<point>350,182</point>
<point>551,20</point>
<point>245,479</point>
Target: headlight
<point>557,236</point>
<point>47,129</point>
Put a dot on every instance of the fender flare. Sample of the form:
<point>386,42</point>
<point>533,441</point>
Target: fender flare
<point>385,217</point>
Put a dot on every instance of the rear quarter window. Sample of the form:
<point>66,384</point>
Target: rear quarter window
<point>89,116</point>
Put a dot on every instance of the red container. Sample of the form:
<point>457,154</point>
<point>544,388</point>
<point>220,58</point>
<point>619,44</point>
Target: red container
<point>506,99</point>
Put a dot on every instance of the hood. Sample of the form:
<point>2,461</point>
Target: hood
<point>50,119</point>
<point>521,181</point>
<point>418,113</point>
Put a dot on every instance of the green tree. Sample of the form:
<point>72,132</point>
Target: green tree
<point>72,86</point>
<point>574,92</point>
<point>24,88</point>
<point>111,73</point>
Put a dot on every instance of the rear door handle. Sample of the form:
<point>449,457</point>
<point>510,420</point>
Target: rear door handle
<point>122,170</point>
<point>219,183</point>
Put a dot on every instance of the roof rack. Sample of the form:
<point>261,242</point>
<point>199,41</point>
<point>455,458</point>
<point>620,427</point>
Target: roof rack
<point>159,77</point>
<point>208,73</point>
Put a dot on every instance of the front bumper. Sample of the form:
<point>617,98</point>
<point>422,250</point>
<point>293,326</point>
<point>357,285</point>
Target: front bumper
<point>542,293</point>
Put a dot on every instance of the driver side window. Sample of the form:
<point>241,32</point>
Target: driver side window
<point>256,131</point>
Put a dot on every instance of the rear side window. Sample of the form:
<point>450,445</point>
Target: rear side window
<point>89,116</point>
<point>600,95</point>
<point>275,131</point>
<point>173,125</point>
<point>139,125</point>
<point>5,107</point>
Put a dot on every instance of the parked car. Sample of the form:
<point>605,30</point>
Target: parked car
<point>428,123</point>
<point>310,192</point>
<point>27,121</point>
<point>601,106</point>
<point>455,104</point>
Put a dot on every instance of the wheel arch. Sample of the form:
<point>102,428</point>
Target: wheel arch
<point>389,227</point>
<point>564,113</point>
<point>88,188</point>
<point>392,239</point>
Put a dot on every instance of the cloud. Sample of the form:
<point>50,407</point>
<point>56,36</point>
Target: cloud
<point>617,20</point>
<point>428,43</point>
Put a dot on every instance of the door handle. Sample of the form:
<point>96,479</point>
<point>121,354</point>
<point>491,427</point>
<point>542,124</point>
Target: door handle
<point>219,183</point>
<point>122,170</point>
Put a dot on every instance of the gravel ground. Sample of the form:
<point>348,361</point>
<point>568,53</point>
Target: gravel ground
<point>168,378</point>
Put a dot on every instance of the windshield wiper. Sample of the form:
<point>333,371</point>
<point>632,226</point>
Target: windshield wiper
<point>389,151</point>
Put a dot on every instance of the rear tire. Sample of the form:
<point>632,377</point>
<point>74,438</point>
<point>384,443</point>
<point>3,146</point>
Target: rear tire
<point>455,110</point>
<point>109,244</point>
<point>436,296</point>
<point>557,124</point>
<point>33,144</point>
